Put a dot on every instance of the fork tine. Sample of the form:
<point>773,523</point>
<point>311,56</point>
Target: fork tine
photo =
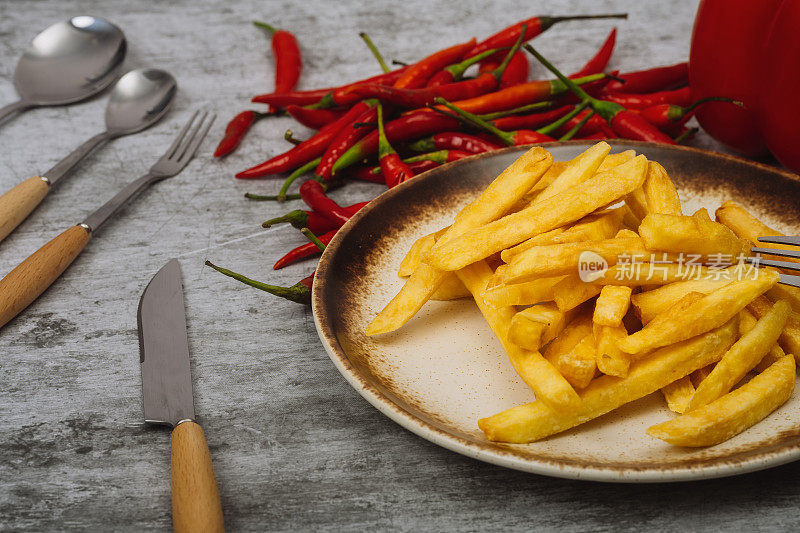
<point>187,141</point>
<point>775,251</point>
<point>192,149</point>
<point>788,279</point>
<point>180,136</point>
<point>788,265</point>
<point>781,239</point>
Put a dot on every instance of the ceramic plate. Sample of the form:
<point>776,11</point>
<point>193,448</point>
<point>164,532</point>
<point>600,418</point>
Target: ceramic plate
<point>444,370</point>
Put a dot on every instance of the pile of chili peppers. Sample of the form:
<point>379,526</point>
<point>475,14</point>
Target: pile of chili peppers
<point>392,126</point>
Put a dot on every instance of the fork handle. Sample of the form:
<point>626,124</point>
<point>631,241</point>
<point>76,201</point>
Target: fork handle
<point>17,204</point>
<point>35,274</point>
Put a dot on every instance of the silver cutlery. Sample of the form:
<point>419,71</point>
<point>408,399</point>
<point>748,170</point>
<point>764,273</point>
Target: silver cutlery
<point>786,279</point>
<point>31,277</point>
<point>140,99</point>
<point>68,62</point>
<point>167,398</point>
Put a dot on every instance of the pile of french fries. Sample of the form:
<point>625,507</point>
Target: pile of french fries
<point>590,335</point>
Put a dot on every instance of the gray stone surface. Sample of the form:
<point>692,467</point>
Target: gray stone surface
<point>293,445</point>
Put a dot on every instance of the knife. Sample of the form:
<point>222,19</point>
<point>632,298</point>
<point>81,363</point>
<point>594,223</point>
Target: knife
<point>167,393</point>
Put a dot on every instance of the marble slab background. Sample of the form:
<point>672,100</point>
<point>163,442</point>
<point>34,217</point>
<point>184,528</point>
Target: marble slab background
<point>295,448</point>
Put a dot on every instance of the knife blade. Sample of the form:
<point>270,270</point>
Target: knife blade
<point>167,398</point>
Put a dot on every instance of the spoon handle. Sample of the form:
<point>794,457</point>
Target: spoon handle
<point>35,274</point>
<point>10,109</point>
<point>18,203</point>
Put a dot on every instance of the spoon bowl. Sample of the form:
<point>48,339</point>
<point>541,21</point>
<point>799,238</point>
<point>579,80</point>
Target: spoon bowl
<point>70,61</point>
<point>139,99</point>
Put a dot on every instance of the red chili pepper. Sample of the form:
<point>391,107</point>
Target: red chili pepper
<point>440,157</point>
<point>666,116</point>
<point>410,126</point>
<point>509,138</point>
<point>313,97</point>
<point>627,124</point>
<point>365,173</point>
<point>451,140</point>
<point>598,136</point>
<point>651,80</point>
<point>519,95</point>
<point>535,26</point>
<point>516,72</point>
<point>314,118</point>
<point>347,137</point>
<point>600,60</point>
<point>303,251</point>
<point>300,292</point>
<point>374,174</point>
<point>456,71</point>
<point>679,97</point>
<point>314,196</point>
<point>288,61</point>
<point>235,131</point>
<point>302,153</point>
<point>414,98</point>
<point>419,73</point>
<point>393,169</point>
<point>311,219</point>
<point>594,124</point>
<point>530,121</point>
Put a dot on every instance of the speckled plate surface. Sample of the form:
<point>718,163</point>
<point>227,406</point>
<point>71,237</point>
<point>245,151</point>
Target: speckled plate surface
<point>444,370</point>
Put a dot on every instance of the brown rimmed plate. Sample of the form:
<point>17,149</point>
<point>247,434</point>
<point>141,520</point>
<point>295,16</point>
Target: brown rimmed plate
<point>444,370</point>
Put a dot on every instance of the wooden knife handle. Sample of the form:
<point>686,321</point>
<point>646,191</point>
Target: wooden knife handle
<point>195,497</point>
<point>18,203</point>
<point>31,277</point>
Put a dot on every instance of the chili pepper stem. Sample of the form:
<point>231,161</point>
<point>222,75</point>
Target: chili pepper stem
<point>577,127</point>
<point>457,70</point>
<point>516,111</point>
<point>553,126</point>
<point>498,72</point>
<point>264,26</point>
<point>297,218</point>
<point>296,293</point>
<point>374,50</point>
<point>288,135</point>
<point>702,101</point>
<point>478,122</point>
<point>384,148</point>
<point>270,197</point>
<point>546,22</point>
<point>308,167</point>
<point>313,238</point>
<point>689,133</point>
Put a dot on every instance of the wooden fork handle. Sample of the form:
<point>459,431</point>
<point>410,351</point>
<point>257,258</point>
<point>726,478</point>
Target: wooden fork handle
<point>18,203</point>
<point>196,505</point>
<point>31,277</point>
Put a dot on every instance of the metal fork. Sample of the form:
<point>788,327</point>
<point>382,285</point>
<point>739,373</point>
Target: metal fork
<point>36,273</point>
<point>786,279</point>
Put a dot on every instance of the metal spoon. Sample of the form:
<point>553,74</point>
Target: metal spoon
<point>139,99</point>
<point>68,62</point>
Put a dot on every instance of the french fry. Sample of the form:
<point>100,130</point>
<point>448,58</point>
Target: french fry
<point>527,293</point>
<point>742,357</point>
<point>610,359</point>
<point>562,259</point>
<point>571,292</point>
<point>678,393</point>
<point>747,321</point>
<point>549,386</point>
<point>418,250</point>
<point>704,314</point>
<point>451,288</point>
<point>700,374</point>
<point>659,191</point>
<point>579,365</point>
<point>786,292</point>
<point>579,327</point>
<point>654,302</point>
<point>611,306</point>
<point>637,274</point>
<point>492,203</point>
<point>732,413</point>
<point>690,235</point>
<point>595,227</point>
<point>556,211</point>
<point>789,338</point>
<point>637,202</point>
<point>534,421</point>
<point>615,160</point>
<point>746,226</point>
<point>537,325</point>
<point>548,178</point>
<point>578,170</point>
